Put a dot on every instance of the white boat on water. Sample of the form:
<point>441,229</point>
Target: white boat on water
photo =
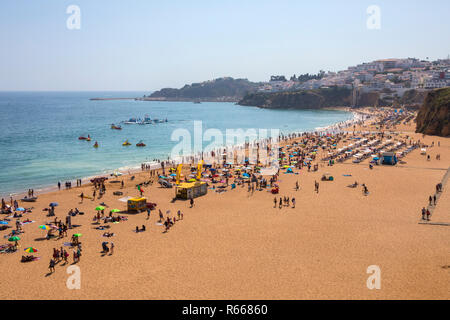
<point>146,120</point>
<point>131,121</point>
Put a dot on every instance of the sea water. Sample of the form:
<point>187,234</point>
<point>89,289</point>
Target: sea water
<point>39,132</point>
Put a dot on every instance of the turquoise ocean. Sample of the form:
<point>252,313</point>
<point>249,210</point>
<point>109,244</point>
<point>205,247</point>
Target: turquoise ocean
<point>39,132</point>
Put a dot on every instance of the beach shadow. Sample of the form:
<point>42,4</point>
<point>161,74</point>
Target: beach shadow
<point>49,274</point>
<point>40,239</point>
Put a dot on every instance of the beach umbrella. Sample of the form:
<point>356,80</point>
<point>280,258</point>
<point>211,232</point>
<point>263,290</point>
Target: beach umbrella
<point>77,235</point>
<point>53,204</point>
<point>115,210</point>
<point>43,227</point>
<point>14,238</point>
<point>20,209</point>
<point>192,180</point>
<point>173,174</point>
<point>30,250</point>
<point>100,208</point>
<point>3,222</point>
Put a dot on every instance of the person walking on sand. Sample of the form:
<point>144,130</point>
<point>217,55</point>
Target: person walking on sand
<point>424,212</point>
<point>93,195</point>
<point>51,266</point>
<point>59,185</point>
<point>434,199</point>
<point>148,213</point>
<point>275,202</point>
<point>428,215</point>
<point>192,202</point>
<point>293,203</point>
<point>112,248</point>
<point>316,186</point>
<point>280,204</point>
<point>296,186</point>
<point>430,200</point>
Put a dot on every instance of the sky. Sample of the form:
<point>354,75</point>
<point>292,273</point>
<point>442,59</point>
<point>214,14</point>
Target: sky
<point>145,45</point>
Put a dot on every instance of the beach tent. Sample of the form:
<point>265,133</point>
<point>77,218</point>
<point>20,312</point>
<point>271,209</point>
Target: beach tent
<point>389,158</point>
<point>191,190</point>
<point>137,204</point>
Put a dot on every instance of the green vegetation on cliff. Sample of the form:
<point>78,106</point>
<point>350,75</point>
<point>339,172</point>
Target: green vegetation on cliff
<point>214,89</point>
<point>434,115</point>
<point>302,99</point>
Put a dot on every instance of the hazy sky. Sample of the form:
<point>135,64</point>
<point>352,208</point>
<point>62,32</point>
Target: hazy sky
<point>146,45</point>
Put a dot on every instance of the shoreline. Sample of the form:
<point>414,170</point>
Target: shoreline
<point>44,189</point>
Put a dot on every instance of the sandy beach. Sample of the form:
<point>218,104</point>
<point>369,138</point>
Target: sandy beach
<point>237,245</point>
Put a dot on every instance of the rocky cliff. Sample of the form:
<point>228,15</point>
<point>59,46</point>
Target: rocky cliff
<point>434,115</point>
<point>302,99</point>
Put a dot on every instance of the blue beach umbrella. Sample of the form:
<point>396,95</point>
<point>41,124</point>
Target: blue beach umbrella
<point>53,204</point>
<point>3,222</point>
<point>20,209</point>
<point>173,174</point>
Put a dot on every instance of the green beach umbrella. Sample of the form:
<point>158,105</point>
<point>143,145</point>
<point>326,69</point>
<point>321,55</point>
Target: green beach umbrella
<point>192,180</point>
<point>30,250</point>
<point>77,235</point>
<point>99,208</point>
<point>115,210</point>
<point>15,238</point>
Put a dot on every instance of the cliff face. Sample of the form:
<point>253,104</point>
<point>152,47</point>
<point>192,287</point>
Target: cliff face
<point>303,99</point>
<point>434,115</point>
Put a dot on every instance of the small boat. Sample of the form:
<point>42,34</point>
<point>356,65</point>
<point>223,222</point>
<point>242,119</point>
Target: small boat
<point>82,138</point>
<point>126,143</point>
<point>147,119</point>
<point>131,121</point>
<point>140,144</point>
<point>113,126</point>
<point>96,144</point>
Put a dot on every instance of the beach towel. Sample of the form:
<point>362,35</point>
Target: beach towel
<point>347,175</point>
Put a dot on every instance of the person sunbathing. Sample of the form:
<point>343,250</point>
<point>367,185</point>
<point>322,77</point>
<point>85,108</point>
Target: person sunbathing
<point>27,258</point>
<point>107,234</point>
<point>353,185</point>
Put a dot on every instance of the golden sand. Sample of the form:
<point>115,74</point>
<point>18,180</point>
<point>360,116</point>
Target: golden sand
<point>236,245</point>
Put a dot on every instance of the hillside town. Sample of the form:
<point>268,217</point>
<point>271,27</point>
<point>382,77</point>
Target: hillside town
<point>396,76</point>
